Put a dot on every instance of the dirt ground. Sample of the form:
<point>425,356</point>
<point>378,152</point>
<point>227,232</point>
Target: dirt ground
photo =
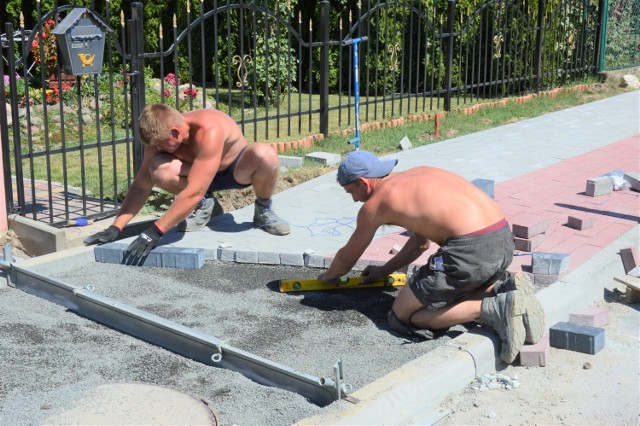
<point>574,388</point>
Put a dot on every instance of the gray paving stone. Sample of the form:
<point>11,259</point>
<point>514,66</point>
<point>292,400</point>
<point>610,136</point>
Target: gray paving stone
<point>243,256</point>
<point>290,161</point>
<point>326,158</point>
<point>268,258</point>
<point>486,185</point>
<point>578,338</point>
<point>291,259</point>
<point>549,263</point>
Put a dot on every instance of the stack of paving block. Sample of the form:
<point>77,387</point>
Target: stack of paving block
<point>528,230</point>
<point>582,333</point>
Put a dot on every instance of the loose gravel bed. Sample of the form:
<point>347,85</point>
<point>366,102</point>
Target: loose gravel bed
<point>51,356</point>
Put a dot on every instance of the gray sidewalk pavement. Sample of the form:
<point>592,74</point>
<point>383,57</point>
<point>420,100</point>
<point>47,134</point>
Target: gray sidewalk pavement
<point>322,215</point>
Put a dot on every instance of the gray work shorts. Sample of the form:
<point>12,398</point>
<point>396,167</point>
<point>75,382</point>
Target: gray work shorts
<point>461,266</point>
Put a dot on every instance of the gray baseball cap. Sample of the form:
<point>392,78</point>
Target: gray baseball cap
<point>359,164</point>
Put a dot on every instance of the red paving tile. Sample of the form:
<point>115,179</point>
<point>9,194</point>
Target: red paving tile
<point>557,192</point>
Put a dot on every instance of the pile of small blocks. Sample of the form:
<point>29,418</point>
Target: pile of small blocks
<point>582,333</point>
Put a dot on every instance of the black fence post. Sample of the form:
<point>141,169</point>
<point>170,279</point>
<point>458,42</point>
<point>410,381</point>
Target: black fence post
<point>324,67</point>
<point>451,16</point>
<point>537,66</point>
<point>136,44</point>
<point>4,135</point>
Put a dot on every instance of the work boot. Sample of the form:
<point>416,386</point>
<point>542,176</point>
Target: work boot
<point>396,325</point>
<point>207,209</point>
<point>504,314</point>
<point>266,219</point>
<point>534,321</point>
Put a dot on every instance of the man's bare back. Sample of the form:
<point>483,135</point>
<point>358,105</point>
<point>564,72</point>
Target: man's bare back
<point>433,203</point>
<point>206,122</point>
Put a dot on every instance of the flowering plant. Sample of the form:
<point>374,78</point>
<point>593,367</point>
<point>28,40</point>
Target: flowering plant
<point>187,94</point>
<point>48,42</point>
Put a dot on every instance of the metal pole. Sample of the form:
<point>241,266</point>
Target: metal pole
<point>136,41</point>
<point>601,35</point>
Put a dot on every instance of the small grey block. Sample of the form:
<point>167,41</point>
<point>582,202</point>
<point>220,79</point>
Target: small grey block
<point>579,223</point>
<point>549,263</point>
<point>486,185</point>
<point>268,258</point>
<point>291,259</point>
<point>314,261</point>
<point>325,158</point>
<point>578,338</point>
<point>597,186</point>
<point>405,144</point>
<point>290,161</point>
<point>227,255</point>
<point>634,180</point>
<point>246,256</point>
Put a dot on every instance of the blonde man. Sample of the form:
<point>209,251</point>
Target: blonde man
<point>191,155</point>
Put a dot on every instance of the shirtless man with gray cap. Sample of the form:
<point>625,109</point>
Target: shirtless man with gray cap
<point>466,279</point>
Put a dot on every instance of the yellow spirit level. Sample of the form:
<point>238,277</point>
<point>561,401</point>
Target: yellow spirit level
<point>393,280</point>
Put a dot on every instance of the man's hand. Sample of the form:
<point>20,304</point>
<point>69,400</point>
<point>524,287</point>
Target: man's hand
<point>105,236</point>
<point>373,273</point>
<point>142,245</point>
<point>326,280</point>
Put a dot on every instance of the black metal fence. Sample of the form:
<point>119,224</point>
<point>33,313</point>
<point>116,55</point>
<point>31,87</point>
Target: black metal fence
<point>280,75</point>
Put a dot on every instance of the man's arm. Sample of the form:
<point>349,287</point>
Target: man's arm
<point>412,249</point>
<point>348,255</point>
<point>138,192</point>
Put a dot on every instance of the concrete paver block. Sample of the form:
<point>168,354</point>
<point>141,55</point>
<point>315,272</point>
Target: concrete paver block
<point>593,316</point>
<point>549,263</point>
<point>291,259</point>
<point>535,355</point>
<point>405,144</point>
<point>226,255</point>
<point>597,186</point>
<point>246,256</point>
<point>268,258</point>
<point>634,180</point>
<point>528,244</point>
<point>290,161</point>
<point>314,261</point>
<point>580,223</point>
<point>326,158</point>
<point>629,258</point>
<point>578,338</point>
<point>162,256</point>
<point>486,185</point>
<point>528,226</point>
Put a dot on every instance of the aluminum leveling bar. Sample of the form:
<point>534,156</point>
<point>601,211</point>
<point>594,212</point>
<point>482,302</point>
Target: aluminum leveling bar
<point>392,280</point>
<point>175,337</point>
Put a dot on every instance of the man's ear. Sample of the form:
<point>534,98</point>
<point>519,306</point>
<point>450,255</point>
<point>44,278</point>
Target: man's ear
<point>175,132</point>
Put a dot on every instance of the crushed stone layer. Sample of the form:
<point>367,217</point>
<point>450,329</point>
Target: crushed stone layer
<point>67,356</point>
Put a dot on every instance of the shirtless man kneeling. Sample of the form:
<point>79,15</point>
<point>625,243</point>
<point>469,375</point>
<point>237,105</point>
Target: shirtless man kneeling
<point>466,279</point>
<point>191,155</point>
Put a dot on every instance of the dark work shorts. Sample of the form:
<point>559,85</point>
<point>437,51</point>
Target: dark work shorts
<point>224,179</point>
<point>461,266</point>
